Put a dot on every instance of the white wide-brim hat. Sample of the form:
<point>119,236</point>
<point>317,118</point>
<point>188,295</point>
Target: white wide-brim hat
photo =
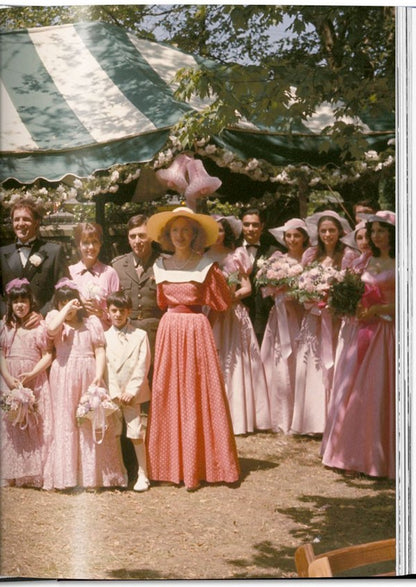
<point>236,224</point>
<point>313,221</point>
<point>381,216</point>
<point>292,224</point>
<point>158,221</point>
<point>349,239</point>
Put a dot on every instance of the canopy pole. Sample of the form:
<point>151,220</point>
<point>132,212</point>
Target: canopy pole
<point>106,253</point>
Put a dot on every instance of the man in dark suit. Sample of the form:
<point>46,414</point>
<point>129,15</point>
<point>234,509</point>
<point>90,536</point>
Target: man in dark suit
<point>135,271</point>
<point>257,246</point>
<point>43,263</point>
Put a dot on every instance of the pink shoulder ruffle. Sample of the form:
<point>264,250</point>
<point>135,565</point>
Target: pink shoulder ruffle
<point>43,341</point>
<point>238,261</point>
<point>309,256</point>
<point>217,293</point>
<point>350,255</point>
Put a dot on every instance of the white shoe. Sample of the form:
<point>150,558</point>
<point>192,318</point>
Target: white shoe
<point>142,483</point>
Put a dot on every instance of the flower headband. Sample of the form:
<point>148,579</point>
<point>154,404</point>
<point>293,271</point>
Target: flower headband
<point>16,283</point>
<point>65,282</point>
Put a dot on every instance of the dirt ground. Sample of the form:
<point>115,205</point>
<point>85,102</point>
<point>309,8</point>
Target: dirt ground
<point>286,498</point>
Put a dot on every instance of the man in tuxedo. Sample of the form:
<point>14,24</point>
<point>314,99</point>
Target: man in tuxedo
<point>135,271</point>
<point>41,262</point>
<point>257,246</point>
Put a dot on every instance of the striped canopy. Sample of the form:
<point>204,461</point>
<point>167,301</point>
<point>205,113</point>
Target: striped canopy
<point>79,98</point>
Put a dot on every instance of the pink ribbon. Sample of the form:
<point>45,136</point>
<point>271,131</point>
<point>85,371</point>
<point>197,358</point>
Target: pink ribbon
<point>283,326</point>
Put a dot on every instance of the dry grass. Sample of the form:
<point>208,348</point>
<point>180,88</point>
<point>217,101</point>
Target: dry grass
<point>286,497</point>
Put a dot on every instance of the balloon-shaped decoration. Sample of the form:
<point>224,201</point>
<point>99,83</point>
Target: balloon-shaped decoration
<point>175,176</point>
<point>200,183</point>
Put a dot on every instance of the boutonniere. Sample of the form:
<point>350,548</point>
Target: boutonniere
<point>36,259</point>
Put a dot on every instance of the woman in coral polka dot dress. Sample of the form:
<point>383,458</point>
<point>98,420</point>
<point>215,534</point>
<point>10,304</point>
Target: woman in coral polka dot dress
<point>189,437</point>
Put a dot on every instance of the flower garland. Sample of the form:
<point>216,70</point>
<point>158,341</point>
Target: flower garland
<point>287,177</point>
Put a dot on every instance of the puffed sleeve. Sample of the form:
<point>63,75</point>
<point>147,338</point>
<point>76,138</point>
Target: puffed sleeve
<point>217,294</point>
<point>348,258</point>
<point>3,335</point>
<point>97,331</point>
<point>309,256</point>
<point>43,341</point>
<point>48,319</point>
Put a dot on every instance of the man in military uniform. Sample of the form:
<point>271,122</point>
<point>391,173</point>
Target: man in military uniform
<point>135,271</point>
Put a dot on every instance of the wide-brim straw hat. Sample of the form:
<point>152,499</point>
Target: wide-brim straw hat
<point>313,221</point>
<point>292,224</point>
<point>158,221</point>
<point>381,216</point>
<point>349,239</point>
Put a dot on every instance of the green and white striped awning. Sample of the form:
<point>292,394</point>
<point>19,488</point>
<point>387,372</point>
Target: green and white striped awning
<point>82,97</point>
<point>79,98</point>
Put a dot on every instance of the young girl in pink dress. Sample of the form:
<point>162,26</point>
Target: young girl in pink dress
<point>361,435</point>
<point>319,329</point>
<point>80,362</point>
<point>26,451</point>
<point>279,346</point>
<point>236,341</point>
<point>189,436</point>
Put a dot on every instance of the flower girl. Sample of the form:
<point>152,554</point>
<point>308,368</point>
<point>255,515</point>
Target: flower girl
<point>79,363</point>
<point>26,427</point>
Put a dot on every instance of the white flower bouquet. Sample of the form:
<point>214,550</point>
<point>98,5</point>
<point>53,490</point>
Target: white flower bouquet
<point>20,406</point>
<point>95,405</point>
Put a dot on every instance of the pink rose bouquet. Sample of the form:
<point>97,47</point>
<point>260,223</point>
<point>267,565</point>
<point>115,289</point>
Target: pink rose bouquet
<point>277,272</point>
<point>314,283</point>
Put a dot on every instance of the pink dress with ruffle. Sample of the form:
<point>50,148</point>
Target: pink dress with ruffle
<point>189,435</point>
<point>315,359</point>
<point>279,352</point>
<point>79,461</point>
<point>240,359</point>
<point>361,436</point>
<point>26,455</point>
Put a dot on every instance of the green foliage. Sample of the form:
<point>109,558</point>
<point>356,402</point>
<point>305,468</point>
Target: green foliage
<point>345,295</point>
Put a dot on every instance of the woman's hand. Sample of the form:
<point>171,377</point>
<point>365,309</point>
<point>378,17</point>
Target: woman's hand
<point>11,382</point>
<point>92,307</point>
<point>33,320</point>
<point>25,378</point>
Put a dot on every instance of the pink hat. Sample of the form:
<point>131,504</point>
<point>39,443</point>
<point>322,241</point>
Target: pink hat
<point>381,216</point>
<point>349,239</point>
<point>279,232</point>
<point>313,221</point>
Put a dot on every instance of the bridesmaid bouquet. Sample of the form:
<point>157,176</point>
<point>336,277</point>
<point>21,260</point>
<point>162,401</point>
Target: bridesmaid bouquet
<point>314,283</point>
<point>20,406</point>
<point>95,405</point>
<point>277,272</point>
<point>344,295</point>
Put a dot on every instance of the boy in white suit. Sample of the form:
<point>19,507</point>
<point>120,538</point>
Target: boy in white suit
<point>128,363</point>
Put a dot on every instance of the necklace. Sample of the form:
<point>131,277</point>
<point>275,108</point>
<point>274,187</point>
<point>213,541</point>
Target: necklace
<point>179,267</point>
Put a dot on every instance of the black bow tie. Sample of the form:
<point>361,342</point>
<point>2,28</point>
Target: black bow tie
<point>88,271</point>
<point>255,246</point>
<point>23,246</point>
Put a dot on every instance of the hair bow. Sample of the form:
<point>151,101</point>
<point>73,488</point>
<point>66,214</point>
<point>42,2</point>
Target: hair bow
<point>65,282</point>
<point>16,283</point>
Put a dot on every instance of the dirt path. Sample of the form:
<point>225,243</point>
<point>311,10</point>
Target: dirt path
<point>286,498</point>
